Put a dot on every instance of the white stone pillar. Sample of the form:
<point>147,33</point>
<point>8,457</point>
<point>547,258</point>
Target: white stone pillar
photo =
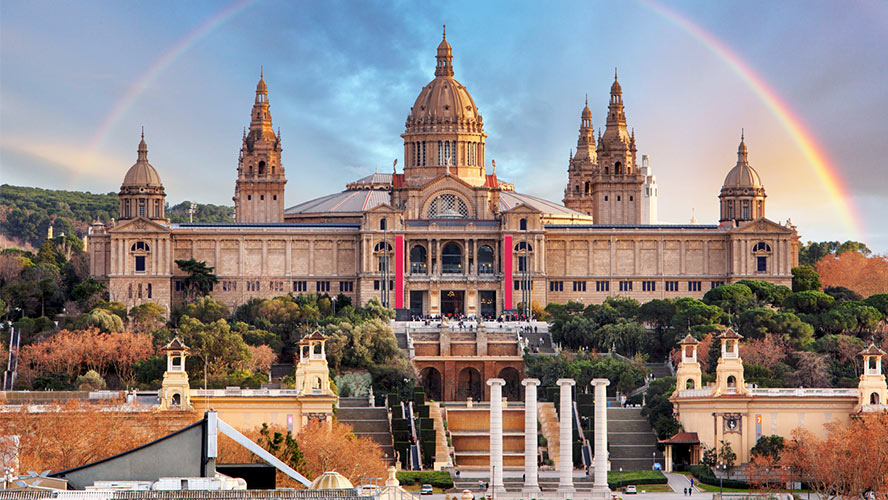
<point>599,463</point>
<point>496,435</point>
<point>531,483</point>
<point>565,462</point>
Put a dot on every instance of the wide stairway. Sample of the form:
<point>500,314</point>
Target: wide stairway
<point>659,370</point>
<point>515,483</point>
<point>368,422</point>
<point>632,442</point>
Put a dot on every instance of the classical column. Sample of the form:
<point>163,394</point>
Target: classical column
<point>531,484</point>
<point>496,435</point>
<point>599,463</point>
<point>565,462</point>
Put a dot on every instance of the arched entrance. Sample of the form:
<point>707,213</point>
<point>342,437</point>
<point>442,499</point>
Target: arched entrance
<point>874,398</point>
<point>469,385</point>
<point>512,389</point>
<point>431,380</point>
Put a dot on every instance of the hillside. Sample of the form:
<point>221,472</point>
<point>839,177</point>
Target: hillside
<point>26,212</point>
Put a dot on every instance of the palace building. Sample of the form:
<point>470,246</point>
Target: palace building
<point>446,235</point>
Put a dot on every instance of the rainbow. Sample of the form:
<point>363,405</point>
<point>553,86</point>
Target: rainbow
<point>825,170</point>
<point>160,64</point>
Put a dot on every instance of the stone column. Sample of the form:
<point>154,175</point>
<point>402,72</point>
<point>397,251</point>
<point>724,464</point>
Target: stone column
<point>496,435</point>
<point>531,483</point>
<point>565,462</point>
<point>599,463</point>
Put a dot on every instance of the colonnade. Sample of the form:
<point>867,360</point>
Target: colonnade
<point>565,464</point>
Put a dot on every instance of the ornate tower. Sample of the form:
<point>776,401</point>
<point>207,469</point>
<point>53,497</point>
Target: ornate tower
<point>312,373</point>
<point>742,195</point>
<point>444,131</point>
<point>650,193</point>
<point>729,371</point>
<point>174,390</point>
<point>872,389</point>
<point>617,184</point>
<point>688,375</point>
<point>141,194</point>
<point>581,168</point>
<point>259,191</point>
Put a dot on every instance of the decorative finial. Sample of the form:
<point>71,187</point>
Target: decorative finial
<point>261,72</point>
<point>445,32</point>
<point>615,73</point>
<point>587,99</point>
<point>394,164</point>
<point>741,133</point>
<point>143,131</point>
<point>493,162</point>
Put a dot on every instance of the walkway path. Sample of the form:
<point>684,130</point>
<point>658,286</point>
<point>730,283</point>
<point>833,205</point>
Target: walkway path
<point>679,482</point>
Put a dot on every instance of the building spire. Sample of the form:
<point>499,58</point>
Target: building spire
<point>143,147</point>
<point>444,57</point>
<point>742,154</point>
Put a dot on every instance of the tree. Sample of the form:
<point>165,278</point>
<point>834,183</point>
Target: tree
<point>805,278</point>
<point>811,253</point>
<point>766,292</point>
<point>731,298</point>
<point>334,447</point>
<point>148,316</point>
<point>104,320</point>
<point>627,337</point>
<point>812,371</point>
<point>841,294</point>
<point>261,358</point>
<point>692,312</point>
<point>658,313</point>
<point>808,302</point>
<point>726,454</point>
<point>768,351</point>
<point>90,381</point>
<point>626,307</point>
<point>866,275</point>
<point>199,280</point>
<point>849,463</point>
<point>768,446</point>
<point>879,301</point>
<point>710,456</point>
<point>283,446</point>
<point>206,309</point>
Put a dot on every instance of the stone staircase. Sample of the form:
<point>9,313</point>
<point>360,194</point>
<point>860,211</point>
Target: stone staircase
<point>442,451</point>
<point>368,422</point>
<point>547,483</point>
<point>659,370</point>
<point>469,429</point>
<point>550,429</point>
<point>631,441</point>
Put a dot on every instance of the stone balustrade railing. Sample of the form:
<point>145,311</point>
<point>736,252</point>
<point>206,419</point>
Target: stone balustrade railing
<point>238,392</point>
<point>804,392</point>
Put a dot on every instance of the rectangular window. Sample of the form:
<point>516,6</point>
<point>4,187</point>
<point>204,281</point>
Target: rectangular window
<point>695,286</point>
<point>716,284</point>
<point>761,264</point>
<point>376,284</point>
<point>140,263</point>
<point>423,152</point>
<point>556,286</point>
<point>149,290</point>
<point>383,264</point>
<point>440,153</point>
<point>323,286</point>
<point>141,208</point>
<point>300,286</point>
<point>453,152</point>
<point>346,286</point>
<point>579,286</point>
<point>745,209</point>
<point>605,197</point>
<point>602,286</point>
<point>517,284</point>
<point>522,263</point>
<point>625,286</point>
<point>391,284</point>
<point>671,286</point>
<point>648,286</point>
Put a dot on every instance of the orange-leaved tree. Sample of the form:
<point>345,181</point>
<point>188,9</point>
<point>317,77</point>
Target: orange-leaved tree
<point>866,275</point>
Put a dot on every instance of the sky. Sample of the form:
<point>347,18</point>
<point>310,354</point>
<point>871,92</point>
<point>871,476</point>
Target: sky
<point>806,81</point>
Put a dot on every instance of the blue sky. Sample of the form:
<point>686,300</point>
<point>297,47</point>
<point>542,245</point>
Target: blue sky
<point>343,75</point>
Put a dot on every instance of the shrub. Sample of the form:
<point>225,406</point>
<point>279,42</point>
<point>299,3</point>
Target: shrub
<point>438,479</point>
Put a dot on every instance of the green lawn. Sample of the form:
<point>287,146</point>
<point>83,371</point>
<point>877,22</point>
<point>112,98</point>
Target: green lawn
<point>709,487</point>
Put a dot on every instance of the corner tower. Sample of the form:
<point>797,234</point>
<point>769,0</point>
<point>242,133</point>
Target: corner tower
<point>581,167</point>
<point>141,193</point>
<point>617,183</point>
<point>259,191</point>
<point>444,133</point>
<point>742,196</point>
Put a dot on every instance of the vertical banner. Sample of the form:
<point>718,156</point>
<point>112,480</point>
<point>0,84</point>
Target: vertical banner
<point>507,271</point>
<point>399,272</point>
<point>758,428</point>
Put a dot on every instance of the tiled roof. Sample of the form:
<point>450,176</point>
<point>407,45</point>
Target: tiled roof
<point>349,201</point>
<point>511,199</point>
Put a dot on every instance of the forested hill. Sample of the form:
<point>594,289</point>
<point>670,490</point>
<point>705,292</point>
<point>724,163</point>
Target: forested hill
<point>26,212</point>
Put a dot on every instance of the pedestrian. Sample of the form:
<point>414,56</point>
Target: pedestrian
<point>480,485</point>
<point>684,491</point>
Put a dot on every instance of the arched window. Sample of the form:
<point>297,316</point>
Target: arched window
<point>383,252</point>
<point>140,245</point>
<point>177,399</point>
<point>588,187</point>
<point>448,206</point>
<point>382,222</point>
<point>522,224</point>
<point>874,398</point>
<point>762,247</point>
<point>605,171</point>
<point>261,168</point>
<point>451,259</point>
<point>732,382</point>
<point>523,251</point>
<point>690,384</point>
<point>523,245</point>
<point>618,168</point>
<point>418,260</point>
<point>485,260</point>
<point>761,251</point>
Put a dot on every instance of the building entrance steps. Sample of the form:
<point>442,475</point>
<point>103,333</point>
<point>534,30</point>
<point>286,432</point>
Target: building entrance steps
<point>631,441</point>
<point>469,431</point>
<point>368,422</point>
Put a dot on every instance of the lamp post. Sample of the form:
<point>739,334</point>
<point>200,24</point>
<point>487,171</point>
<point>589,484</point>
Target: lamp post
<point>621,478</point>
<point>654,459</point>
<point>721,478</point>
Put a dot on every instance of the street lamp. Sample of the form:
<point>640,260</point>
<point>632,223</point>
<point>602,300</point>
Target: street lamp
<point>721,478</point>
<point>654,459</point>
<point>621,478</point>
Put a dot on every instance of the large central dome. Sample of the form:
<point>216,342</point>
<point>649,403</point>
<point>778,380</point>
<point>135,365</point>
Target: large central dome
<point>444,101</point>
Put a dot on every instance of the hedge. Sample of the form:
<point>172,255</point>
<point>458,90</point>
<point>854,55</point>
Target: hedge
<point>704,474</point>
<point>438,479</point>
<point>635,477</point>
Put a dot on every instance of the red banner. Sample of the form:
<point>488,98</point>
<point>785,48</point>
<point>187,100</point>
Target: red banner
<point>399,272</point>
<point>507,270</point>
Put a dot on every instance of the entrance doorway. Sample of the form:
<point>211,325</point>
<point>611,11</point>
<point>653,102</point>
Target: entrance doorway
<point>453,302</point>
<point>488,304</point>
<point>416,302</point>
<point>469,385</point>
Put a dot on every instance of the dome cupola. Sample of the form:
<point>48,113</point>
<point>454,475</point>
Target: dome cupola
<point>444,128</point>
<point>742,196</point>
<point>141,193</point>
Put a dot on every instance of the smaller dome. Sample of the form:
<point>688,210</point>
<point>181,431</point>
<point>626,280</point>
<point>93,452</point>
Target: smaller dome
<point>587,113</point>
<point>331,481</point>
<point>142,174</point>
<point>616,88</point>
<point>261,88</point>
<point>742,175</point>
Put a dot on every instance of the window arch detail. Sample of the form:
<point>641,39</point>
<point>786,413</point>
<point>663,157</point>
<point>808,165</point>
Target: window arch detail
<point>448,206</point>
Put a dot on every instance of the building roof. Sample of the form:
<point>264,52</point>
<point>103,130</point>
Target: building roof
<point>331,481</point>
<point>729,333</point>
<point>742,175</point>
<point>682,438</point>
<point>689,340</point>
<point>176,345</point>
<point>142,174</point>
<point>511,199</point>
<point>872,350</point>
<point>350,201</point>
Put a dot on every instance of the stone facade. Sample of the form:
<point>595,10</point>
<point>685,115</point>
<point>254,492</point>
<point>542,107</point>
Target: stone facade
<point>447,236</point>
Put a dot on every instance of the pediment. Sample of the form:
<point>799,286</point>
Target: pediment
<point>762,225</point>
<point>139,225</point>
<point>522,208</point>
<point>448,182</point>
<point>384,208</point>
